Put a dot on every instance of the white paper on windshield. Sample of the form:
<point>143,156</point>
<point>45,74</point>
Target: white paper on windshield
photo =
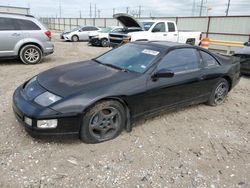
<point>150,52</point>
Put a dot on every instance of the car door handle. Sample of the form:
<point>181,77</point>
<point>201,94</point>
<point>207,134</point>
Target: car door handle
<point>165,35</point>
<point>16,34</point>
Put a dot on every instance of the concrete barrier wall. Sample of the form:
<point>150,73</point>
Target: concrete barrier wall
<point>230,28</point>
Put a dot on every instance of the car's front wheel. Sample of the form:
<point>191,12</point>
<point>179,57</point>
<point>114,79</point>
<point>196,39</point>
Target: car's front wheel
<point>219,93</point>
<point>75,38</point>
<point>104,121</point>
<point>104,42</point>
<point>30,54</point>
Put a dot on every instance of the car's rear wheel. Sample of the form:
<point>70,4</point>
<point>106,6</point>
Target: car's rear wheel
<point>104,121</point>
<point>30,54</point>
<point>219,93</point>
<point>75,38</point>
<point>104,42</point>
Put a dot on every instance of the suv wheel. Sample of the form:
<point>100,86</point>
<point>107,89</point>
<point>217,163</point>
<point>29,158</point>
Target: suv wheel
<point>75,38</point>
<point>30,54</point>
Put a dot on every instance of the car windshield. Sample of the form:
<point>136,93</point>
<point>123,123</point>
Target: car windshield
<point>130,57</point>
<point>106,30</point>
<point>75,29</point>
<point>147,25</point>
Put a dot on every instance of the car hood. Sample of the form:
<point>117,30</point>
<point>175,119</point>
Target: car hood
<point>80,77</point>
<point>127,20</point>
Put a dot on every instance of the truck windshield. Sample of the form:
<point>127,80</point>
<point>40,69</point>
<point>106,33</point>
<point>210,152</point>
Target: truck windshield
<point>147,25</point>
<point>130,57</point>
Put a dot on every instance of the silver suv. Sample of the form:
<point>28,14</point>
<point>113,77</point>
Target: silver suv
<point>24,37</point>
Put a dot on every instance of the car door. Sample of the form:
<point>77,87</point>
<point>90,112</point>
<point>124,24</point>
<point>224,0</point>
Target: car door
<point>172,34</point>
<point>83,33</point>
<point>9,36</point>
<point>159,32</point>
<point>183,88</point>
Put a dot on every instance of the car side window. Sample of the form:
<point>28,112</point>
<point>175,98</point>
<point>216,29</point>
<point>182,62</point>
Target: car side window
<point>93,29</point>
<point>84,29</point>
<point>208,60</point>
<point>180,60</point>
<point>26,24</point>
<point>171,27</point>
<point>160,27</point>
<point>6,24</point>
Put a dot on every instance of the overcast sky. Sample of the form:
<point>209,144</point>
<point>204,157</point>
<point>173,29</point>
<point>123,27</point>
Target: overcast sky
<point>72,8</point>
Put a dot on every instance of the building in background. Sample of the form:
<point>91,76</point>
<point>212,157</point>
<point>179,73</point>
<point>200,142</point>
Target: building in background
<point>14,10</point>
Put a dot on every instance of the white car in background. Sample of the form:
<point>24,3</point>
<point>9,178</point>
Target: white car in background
<point>80,33</point>
<point>101,38</point>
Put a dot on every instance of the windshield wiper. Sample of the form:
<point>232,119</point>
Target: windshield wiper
<point>112,66</point>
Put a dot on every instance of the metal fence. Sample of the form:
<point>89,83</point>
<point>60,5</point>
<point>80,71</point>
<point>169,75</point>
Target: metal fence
<point>228,28</point>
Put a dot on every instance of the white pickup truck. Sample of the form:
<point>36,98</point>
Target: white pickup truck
<point>151,30</point>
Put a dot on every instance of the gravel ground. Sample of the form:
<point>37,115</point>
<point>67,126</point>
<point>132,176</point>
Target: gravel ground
<point>199,146</point>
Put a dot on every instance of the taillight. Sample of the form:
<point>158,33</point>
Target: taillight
<point>48,34</point>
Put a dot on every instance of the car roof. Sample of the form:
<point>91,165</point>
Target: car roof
<point>164,44</point>
<point>20,16</point>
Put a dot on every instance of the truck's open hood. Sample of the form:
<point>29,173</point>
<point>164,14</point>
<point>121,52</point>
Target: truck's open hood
<point>127,20</point>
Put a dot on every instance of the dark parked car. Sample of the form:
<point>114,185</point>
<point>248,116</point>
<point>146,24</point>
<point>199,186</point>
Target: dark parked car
<point>244,55</point>
<point>99,98</point>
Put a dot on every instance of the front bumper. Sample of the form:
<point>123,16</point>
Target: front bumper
<point>94,41</point>
<point>67,123</point>
<point>245,67</point>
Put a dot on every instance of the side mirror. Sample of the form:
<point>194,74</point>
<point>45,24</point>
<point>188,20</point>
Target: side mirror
<point>156,30</point>
<point>163,73</point>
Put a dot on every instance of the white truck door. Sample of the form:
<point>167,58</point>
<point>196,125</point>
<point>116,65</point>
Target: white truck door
<point>159,32</point>
<point>172,32</point>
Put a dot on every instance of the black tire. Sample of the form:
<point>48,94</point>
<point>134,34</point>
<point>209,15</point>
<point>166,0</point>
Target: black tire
<point>103,122</point>
<point>30,54</point>
<point>219,93</point>
<point>74,38</point>
<point>104,42</point>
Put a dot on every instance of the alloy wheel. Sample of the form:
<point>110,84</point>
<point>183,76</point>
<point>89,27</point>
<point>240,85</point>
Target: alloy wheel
<point>104,124</point>
<point>221,93</point>
<point>31,55</point>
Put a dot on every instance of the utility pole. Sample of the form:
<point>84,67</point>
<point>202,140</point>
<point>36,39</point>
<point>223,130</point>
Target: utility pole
<point>228,6</point>
<point>80,14</point>
<point>95,10</point>
<point>127,10</point>
<point>99,13</point>
<point>60,10</point>
<point>139,12</point>
<point>90,10</point>
<point>201,7</point>
<point>113,11</point>
<point>193,8</point>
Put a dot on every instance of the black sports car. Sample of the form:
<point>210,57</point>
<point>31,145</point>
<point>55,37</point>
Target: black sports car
<point>99,98</point>
<point>244,55</point>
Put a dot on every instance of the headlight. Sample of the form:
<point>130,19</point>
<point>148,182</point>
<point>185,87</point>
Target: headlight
<point>47,124</point>
<point>30,82</point>
<point>47,99</point>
